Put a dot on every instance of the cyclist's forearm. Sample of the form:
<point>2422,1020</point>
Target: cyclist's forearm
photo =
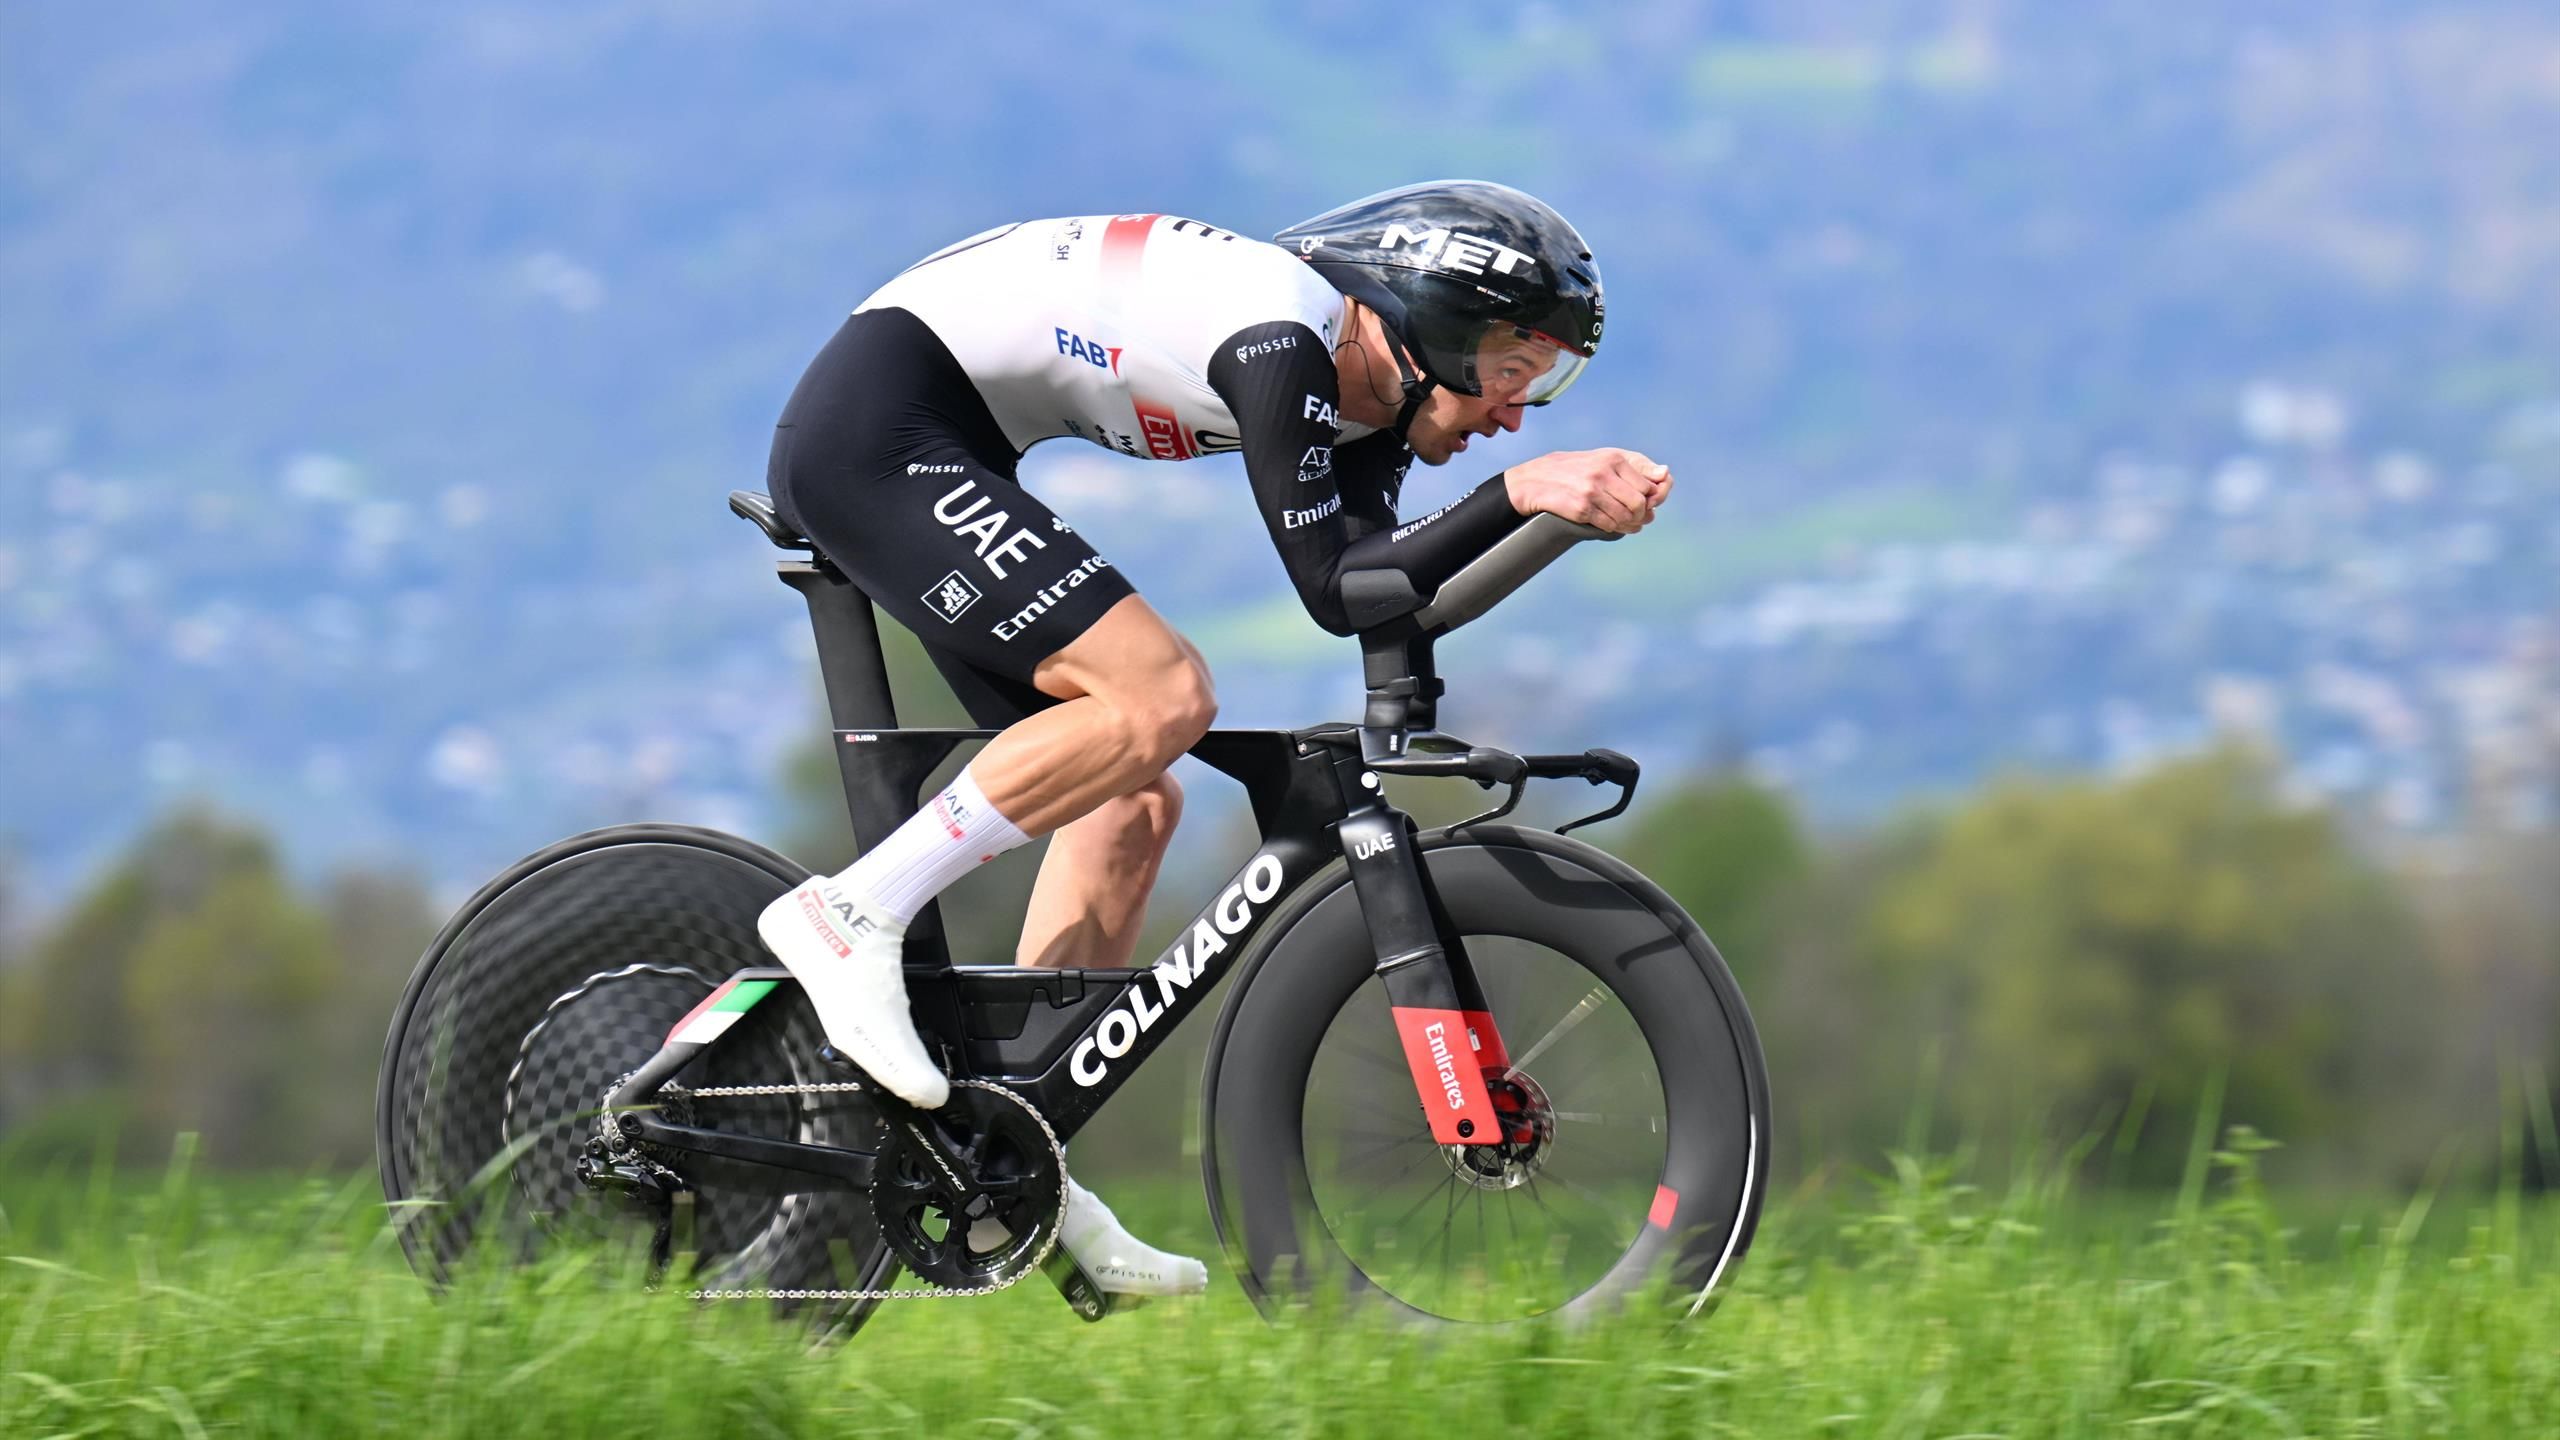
<point>1428,549</point>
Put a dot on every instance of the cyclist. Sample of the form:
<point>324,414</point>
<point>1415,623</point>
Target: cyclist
<point>1392,329</point>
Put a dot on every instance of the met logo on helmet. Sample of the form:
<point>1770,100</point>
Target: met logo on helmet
<point>1457,250</point>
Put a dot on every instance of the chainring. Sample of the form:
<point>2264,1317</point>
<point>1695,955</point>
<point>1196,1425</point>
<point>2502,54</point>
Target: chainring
<point>1021,1178</point>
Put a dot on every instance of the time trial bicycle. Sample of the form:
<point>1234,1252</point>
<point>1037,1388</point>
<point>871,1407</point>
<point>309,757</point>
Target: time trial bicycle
<point>1476,1073</point>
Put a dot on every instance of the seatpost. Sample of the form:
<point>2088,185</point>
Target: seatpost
<point>858,699</point>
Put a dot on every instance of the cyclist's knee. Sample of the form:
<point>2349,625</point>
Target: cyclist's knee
<point>1178,710</point>
<point>1155,808</point>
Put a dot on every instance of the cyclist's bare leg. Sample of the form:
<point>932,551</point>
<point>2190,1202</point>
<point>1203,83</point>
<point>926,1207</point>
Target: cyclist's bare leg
<point>1134,688</point>
<point>1136,696</point>
<point>1091,896</point>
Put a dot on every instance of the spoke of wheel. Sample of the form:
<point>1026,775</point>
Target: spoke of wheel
<point>1418,1132</point>
<point>1448,1247</point>
<point>1420,1144</point>
<point>1482,1248</point>
<point>1651,1124</point>
<point>1375,1059</point>
<point>1602,1062</point>
<point>1575,1016</point>
<point>1427,1197</point>
<point>1591,1197</point>
<point>1541,1202</point>
<point>1370,1165</point>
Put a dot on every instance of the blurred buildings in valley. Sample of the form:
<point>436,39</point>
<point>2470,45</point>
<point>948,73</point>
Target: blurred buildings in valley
<point>2050,388</point>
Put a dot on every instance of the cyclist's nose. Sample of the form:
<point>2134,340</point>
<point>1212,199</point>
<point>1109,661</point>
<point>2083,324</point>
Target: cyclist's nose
<point>1509,416</point>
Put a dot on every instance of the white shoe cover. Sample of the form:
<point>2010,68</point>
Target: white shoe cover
<point>1118,1261</point>
<point>847,956</point>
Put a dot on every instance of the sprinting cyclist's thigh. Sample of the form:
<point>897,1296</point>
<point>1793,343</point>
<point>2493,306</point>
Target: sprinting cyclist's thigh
<point>887,460</point>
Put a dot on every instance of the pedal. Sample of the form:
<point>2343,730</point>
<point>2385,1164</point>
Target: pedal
<point>1090,1301</point>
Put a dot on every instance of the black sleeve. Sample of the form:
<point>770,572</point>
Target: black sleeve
<point>1332,514</point>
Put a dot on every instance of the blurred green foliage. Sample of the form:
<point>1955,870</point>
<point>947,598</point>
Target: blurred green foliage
<point>194,989</point>
<point>2047,964</point>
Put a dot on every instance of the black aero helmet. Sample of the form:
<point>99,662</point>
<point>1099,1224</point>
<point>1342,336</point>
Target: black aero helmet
<point>1449,263</point>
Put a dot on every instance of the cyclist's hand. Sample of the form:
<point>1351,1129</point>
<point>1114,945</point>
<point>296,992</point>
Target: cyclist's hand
<point>1615,490</point>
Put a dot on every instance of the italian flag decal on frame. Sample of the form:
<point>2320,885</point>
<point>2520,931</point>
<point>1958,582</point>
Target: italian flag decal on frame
<point>712,1018</point>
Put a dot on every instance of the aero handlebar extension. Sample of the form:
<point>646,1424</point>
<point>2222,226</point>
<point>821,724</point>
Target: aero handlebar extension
<point>1484,581</point>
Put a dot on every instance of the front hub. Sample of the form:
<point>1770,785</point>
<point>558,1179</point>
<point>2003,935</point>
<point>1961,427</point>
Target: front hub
<point>1528,1123</point>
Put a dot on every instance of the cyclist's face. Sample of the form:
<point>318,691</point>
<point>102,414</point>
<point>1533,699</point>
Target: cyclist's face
<point>1506,365</point>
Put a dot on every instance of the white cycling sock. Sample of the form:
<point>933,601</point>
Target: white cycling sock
<point>955,833</point>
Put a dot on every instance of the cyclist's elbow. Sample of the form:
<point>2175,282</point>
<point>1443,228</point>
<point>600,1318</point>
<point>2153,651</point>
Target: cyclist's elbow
<point>1326,608</point>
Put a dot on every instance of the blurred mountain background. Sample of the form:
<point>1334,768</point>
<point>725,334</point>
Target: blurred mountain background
<point>2054,391</point>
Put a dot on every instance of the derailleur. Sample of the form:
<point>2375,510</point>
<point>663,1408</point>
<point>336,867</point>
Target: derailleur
<point>642,1186</point>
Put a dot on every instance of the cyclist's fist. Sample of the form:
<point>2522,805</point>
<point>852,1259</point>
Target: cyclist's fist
<point>1616,490</point>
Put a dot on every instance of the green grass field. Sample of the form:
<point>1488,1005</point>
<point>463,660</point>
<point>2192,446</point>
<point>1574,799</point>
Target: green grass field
<point>1917,1306</point>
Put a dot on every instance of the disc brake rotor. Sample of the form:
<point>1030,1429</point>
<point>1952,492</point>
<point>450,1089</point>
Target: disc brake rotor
<point>1528,1122</point>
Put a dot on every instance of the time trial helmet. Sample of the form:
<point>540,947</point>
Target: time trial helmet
<point>1459,269</point>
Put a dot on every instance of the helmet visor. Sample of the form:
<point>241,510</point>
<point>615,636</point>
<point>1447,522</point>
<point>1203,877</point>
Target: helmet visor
<point>1514,365</point>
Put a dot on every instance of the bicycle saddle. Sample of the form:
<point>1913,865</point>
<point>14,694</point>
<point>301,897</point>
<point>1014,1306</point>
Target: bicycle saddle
<point>758,506</point>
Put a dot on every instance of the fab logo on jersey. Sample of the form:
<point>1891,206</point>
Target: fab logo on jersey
<point>1100,357</point>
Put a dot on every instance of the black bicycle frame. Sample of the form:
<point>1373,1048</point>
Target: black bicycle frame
<point>1066,1040</point>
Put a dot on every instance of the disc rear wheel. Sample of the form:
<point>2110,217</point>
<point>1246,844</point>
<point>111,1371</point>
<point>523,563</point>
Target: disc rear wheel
<point>558,979</point>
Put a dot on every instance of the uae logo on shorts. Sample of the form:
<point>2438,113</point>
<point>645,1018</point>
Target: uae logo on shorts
<point>952,596</point>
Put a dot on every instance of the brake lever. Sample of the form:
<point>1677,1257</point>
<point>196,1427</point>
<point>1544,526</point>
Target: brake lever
<point>1597,767</point>
<point>1519,787</point>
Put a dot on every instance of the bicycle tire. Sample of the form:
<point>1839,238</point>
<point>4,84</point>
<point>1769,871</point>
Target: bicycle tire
<point>474,1065</point>
<point>1554,892</point>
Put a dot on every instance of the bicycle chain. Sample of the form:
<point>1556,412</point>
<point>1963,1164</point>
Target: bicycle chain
<point>1057,1152</point>
<point>625,1149</point>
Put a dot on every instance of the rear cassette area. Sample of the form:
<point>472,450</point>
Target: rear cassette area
<point>564,975</point>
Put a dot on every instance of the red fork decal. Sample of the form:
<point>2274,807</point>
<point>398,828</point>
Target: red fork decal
<point>1447,1076</point>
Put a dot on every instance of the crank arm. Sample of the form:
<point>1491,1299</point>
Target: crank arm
<point>791,1168</point>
